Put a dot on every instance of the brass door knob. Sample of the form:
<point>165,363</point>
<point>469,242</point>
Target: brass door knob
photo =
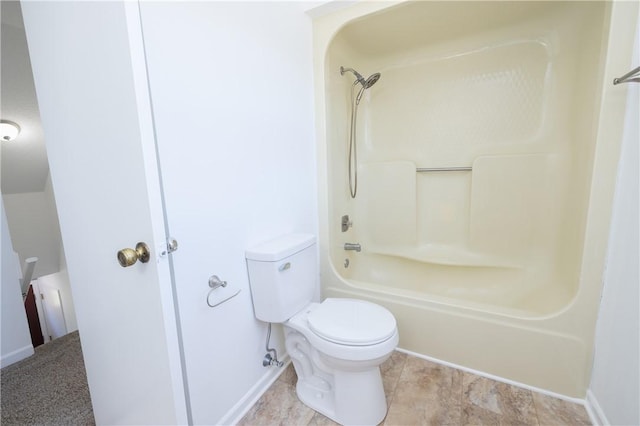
<point>128,256</point>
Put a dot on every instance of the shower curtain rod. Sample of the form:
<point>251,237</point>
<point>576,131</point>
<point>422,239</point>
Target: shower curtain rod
<point>631,76</point>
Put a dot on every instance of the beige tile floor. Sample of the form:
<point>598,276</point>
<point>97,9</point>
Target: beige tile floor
<point>420,392</point>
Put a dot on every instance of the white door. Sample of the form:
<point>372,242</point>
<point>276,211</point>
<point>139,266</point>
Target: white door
<point>50,310</point>
<point>90,80</point>
<point>53,315</point>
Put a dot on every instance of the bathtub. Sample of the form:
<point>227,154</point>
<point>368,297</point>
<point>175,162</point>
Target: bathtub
<point>487,154</point>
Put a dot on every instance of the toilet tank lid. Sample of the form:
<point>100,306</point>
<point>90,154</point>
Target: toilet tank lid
<point>279,248</point>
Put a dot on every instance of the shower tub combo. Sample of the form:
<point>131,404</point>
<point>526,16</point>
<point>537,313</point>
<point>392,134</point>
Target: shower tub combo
<point>477,172</point>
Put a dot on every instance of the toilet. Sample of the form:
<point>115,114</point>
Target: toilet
<point>336,346</point>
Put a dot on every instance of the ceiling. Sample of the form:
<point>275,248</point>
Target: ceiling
<point>24,166</point>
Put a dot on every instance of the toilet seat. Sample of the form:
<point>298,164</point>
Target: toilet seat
<point>348,352</point>
<point>352,322</point>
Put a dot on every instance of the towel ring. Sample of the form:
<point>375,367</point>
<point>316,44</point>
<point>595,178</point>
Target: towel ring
<point>222,301</point>
<point>214,283</point>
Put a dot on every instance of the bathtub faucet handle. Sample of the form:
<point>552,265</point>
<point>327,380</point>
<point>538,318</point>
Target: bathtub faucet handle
<point>346,223</point>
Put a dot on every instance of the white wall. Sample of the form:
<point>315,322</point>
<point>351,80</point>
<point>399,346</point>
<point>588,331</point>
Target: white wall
<point>231,84</point>
<point>614,393</point>
<point>35,232</point>
<point>15,343</point>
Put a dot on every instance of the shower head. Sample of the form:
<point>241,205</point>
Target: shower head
<point>365,83</point>
<point>373,78</point>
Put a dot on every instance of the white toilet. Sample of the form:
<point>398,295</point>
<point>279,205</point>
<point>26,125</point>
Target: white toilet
<point>336,346</point>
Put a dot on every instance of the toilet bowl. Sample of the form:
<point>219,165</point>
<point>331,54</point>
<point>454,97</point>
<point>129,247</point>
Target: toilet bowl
<point>336,346</point>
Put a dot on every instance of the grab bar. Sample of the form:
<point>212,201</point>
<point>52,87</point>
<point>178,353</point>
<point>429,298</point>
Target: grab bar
<point>443,169</point>
<point>631,76</point>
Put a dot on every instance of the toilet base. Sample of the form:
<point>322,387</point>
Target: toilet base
<point>354,401</point>
<point>346,397</point>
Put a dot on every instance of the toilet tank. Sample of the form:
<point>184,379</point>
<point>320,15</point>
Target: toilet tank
<point>282,276</point>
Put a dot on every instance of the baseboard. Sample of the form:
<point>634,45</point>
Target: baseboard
<point>596,415</point>
<point>17,355</point>
<point>243,406</point>
<point>496,378</point>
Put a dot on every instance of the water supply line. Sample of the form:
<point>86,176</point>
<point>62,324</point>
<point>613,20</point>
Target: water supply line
<point>270,359</point>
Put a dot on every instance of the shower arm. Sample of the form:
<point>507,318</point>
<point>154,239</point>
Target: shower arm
<point>359,78</point>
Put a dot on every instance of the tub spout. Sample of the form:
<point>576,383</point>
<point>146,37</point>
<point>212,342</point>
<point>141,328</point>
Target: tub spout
<point>352,246</point>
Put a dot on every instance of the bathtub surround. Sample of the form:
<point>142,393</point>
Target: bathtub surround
<point>500,256</point>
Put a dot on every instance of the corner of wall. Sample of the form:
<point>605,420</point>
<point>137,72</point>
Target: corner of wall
<point>615,384</point>
<point>16,340</point>
<point>17,355</point>
<point>596,415</point>
<point>252,396</point>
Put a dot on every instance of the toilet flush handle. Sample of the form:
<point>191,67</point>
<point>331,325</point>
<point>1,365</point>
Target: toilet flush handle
<point>284,266</point>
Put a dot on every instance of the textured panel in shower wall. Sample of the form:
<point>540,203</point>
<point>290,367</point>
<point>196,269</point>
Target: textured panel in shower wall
<point>456,107</point>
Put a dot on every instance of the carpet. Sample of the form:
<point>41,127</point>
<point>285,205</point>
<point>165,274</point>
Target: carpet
<point>48,388</point>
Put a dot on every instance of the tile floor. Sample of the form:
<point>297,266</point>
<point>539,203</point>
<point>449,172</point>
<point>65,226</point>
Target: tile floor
<point>420,392</point>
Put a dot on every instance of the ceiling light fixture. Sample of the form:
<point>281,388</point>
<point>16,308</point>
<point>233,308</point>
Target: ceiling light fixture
<point>8,130</point>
